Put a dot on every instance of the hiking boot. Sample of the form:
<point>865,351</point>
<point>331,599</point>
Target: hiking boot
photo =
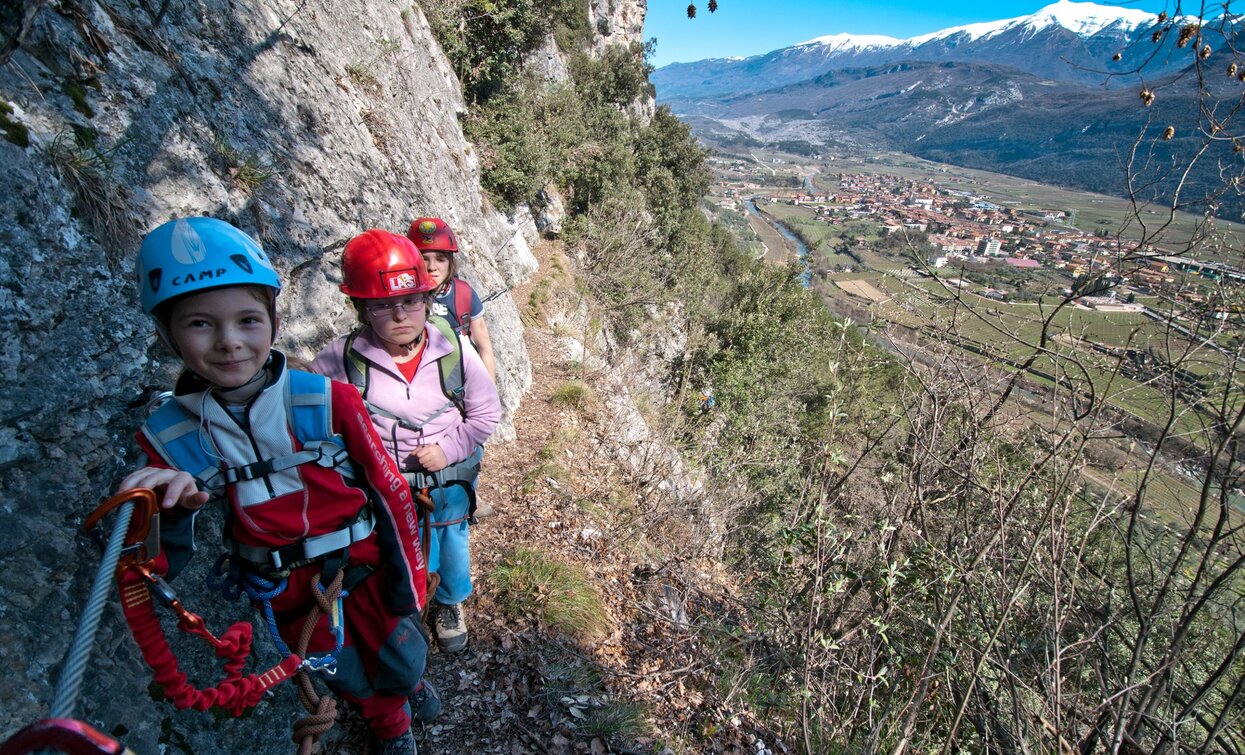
<point>399,745</point>
<point>425,702</point>
<point>451,626</point>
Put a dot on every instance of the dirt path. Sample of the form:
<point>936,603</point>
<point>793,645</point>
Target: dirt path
<point>486,687</point>
<point>521,687</point>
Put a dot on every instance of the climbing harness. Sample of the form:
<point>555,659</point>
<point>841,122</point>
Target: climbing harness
<point>282,561</point>
<point>177,435</point>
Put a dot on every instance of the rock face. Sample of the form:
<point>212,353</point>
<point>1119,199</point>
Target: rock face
<point>303,124</point>
<point>617,21</point>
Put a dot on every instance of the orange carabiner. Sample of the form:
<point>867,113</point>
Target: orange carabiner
<point>144,522</point>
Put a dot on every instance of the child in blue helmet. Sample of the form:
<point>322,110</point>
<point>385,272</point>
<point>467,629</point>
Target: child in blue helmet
<point>294,457</point>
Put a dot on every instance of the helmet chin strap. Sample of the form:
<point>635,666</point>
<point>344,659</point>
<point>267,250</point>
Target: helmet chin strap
<point>262,374</point>
<point>407,346</point>
<point>221,390</point>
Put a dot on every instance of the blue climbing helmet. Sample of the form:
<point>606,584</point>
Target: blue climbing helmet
<point>191,255</point>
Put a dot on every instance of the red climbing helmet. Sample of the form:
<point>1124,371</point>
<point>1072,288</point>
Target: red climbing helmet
<point>378,264</point>
<point>433,235</point>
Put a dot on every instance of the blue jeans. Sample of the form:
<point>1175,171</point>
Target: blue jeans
<point>449,553</point>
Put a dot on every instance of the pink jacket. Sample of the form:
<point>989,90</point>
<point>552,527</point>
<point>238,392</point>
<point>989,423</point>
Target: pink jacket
<point>414,402</point>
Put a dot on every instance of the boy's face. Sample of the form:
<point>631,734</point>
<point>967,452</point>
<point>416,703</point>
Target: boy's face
<point>438,264</point>
<point>224,335</point>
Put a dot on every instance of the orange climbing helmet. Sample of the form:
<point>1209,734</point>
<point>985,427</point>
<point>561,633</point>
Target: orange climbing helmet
<point>433,235</point>
<point>378,264</point>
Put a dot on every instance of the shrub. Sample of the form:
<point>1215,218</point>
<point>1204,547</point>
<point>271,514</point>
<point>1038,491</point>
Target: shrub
<point>574,394</point>
<point>487,41</point>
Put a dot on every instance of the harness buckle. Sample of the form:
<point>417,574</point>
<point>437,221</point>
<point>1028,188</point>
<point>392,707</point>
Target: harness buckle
<point>334,459</point>
<point>282,560</point>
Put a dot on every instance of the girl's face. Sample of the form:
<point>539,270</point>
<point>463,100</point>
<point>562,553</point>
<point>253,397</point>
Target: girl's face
<point>438,264</point>
<point>224,335</point>
<point>398,321</point>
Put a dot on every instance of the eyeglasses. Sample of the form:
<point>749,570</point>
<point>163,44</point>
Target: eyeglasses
<point>390,308</point>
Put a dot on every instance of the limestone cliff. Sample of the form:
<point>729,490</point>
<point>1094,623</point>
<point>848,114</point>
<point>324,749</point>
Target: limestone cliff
<point>302,123</point>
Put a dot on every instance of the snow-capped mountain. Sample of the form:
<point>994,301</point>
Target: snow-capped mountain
<point>1065,41</point>
<point>1082,19</point>
<point>1041,96</point>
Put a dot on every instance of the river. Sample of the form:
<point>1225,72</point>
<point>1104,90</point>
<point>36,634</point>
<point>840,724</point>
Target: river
<point>801,249</point>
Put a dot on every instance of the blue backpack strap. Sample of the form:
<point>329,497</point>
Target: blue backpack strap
<point>174,433</point>
<point>309,404</point>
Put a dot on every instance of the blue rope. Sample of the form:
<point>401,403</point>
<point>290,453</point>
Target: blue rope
<point>226,578</point>
<point>261,591</point>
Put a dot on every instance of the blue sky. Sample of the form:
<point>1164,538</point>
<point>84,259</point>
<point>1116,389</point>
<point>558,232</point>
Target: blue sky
<point>751,27</point>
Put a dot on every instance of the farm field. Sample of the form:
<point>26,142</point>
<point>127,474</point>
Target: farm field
<point>1116,354</point>
<point>1010,333</point>
<point>997,317</point>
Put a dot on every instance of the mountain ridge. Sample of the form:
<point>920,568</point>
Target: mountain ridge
<point>1082,54</point>
<point>1035,100</point>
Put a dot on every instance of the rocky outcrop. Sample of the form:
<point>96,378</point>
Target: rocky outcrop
<point>617,21</point>
<point>301,123</point>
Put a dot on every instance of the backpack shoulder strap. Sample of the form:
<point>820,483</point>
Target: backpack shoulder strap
<point>309,403</point>
<point>356,366</point>
<point>462,305</point>
<point>450,366</point>
<point>174,433</point>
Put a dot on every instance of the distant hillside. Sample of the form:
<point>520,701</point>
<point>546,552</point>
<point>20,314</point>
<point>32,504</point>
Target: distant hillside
<point>1014,100</point>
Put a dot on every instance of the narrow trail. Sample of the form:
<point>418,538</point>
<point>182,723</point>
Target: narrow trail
<point>491,691</point>
<point>557,490</point>
<point>487,688</point>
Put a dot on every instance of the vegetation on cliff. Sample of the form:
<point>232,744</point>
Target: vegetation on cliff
<point>919,560</point>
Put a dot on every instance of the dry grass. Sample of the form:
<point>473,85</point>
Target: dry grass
<point>563,596</point>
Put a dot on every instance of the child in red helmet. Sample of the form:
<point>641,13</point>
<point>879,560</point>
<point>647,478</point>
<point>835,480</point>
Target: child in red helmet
<point>430,396</point>
<point>454,298</point>
<point>310,490</point>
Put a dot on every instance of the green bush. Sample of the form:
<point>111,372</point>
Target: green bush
<point>574,395</point>
<point>514,157</point>
<point>488,40</point>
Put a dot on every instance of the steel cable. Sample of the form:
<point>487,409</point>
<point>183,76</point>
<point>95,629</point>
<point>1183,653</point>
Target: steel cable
<point>66,696</point>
